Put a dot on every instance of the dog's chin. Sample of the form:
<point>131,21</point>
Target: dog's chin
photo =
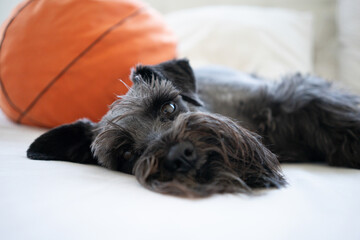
<point>193,184</point>
<point>230,159</point>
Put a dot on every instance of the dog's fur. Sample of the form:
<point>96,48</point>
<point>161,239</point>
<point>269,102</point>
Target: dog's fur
<point>196,133</point>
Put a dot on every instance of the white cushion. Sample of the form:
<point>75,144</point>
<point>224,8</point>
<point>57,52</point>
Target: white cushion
<point>266,41</point>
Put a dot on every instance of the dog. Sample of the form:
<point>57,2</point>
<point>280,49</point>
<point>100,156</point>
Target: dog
<point>193,133</point>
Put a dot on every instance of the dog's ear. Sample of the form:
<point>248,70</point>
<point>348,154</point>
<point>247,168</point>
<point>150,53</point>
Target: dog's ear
<point>70,142</point>
<point>178,71</point>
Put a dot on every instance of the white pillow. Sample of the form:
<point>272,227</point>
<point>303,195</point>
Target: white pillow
<point>266,41</point>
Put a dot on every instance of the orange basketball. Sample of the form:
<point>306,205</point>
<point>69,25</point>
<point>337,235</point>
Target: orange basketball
<point>61,60</point>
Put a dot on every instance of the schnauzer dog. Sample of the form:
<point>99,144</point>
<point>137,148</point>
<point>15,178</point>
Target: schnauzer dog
<point>213,130</point>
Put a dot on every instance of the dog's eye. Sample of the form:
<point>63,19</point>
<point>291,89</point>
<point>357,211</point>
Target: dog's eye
<point>127,155</point>
<point>168,108</point>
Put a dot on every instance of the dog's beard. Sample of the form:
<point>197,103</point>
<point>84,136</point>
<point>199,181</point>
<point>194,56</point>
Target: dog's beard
<point>229,159</point>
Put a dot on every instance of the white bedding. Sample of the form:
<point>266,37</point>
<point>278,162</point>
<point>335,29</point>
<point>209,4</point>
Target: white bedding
<point>61,200</point>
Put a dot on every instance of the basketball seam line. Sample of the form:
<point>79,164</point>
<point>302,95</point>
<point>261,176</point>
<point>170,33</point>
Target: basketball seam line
<point>68,66</point>
<point>6,95</point>
<point>2,85</point>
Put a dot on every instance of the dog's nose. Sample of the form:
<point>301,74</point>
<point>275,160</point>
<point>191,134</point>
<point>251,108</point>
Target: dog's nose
<point>180,157</point>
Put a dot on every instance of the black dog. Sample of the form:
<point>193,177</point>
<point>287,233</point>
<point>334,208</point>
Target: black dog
<point>175,130</point>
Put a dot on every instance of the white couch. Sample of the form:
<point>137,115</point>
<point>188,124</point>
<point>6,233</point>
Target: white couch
<point>61,200</point>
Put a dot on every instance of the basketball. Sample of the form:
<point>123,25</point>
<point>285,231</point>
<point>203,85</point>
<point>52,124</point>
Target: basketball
<point>61,60</point>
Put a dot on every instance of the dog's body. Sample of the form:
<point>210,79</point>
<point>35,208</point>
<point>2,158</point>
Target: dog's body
<point>301,118</point>
<point>171,131</point>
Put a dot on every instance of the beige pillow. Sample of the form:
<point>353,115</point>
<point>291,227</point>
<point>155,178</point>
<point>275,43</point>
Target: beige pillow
<point>266,41</point>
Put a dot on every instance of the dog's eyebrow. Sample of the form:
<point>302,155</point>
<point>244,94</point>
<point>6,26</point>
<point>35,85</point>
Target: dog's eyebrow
<point>160,99</point>
<point>161,92</point>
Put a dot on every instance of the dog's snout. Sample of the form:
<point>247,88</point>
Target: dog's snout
<point>180,157</point>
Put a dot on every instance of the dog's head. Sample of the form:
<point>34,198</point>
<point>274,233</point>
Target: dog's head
<point>157,132</point>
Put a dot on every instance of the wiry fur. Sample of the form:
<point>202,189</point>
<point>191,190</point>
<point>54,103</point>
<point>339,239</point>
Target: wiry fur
<point>232,159</point>
<point>304,118</point>
<point>238,126</point>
